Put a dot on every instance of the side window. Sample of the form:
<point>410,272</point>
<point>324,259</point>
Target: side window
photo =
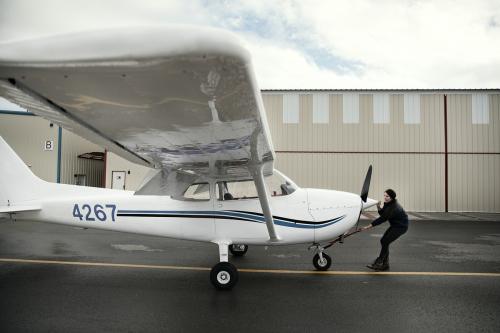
<point>276,184</point>
<point>236,190</point>
<point>197,192</point>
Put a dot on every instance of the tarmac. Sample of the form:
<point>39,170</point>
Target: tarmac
<point>445,276</point>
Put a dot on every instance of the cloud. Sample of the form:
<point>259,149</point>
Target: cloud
<point>311,44</point>
<point>434,44</point>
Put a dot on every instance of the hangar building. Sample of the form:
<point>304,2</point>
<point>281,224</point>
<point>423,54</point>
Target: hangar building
<point>439,149</point>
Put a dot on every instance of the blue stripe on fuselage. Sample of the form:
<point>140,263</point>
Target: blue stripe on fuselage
<point>246,216</point>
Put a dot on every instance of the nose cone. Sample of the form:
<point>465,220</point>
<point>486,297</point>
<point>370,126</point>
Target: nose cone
<point>320,199</point>
<point>335,212</point>
<point>369,203</point>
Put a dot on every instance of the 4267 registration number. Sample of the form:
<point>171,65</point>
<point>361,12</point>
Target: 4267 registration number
<point>98,212</point>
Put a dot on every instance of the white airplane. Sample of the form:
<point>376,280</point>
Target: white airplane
<point>183,101</point>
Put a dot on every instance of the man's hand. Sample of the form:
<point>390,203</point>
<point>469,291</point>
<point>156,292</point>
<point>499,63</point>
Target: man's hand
<point>378,204</point>
<point>366,227</point>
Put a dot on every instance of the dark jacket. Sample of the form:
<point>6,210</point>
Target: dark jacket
<point>393,212</point>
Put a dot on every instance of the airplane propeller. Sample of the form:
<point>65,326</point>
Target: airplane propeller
<point>364,192</point>
<point>366,184</point>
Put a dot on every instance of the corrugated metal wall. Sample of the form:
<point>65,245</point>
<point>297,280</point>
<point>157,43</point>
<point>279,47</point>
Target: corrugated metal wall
<point>407,150</point>
<point>364,136</point>
<point>346,172</point>
<point>474,160</point>
<point>26,134</point>
<point>72,146</point>
<point>329,143</point>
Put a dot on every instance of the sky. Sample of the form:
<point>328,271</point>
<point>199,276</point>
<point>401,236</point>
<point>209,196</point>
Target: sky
<point>309,44</point>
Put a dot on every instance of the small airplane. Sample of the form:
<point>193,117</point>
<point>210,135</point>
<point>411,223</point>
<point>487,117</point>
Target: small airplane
<point>183,101</point>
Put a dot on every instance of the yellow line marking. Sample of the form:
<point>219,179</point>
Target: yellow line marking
<point>368,273</point>
<point>246,270</point>
<point>101,264</point>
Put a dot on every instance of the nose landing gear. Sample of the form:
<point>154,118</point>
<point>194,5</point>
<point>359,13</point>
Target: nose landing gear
<point>321,260</point>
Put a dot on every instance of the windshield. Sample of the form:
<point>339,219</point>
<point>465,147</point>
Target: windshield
<point>278,184</point>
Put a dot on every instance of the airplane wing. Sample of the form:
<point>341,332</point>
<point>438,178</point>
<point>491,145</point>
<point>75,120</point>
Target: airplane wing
<point>170,97</point>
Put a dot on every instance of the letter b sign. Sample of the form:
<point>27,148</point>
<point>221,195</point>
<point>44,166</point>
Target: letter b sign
<point>49,145</point>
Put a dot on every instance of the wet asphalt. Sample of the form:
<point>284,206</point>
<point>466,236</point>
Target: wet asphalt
<point>41,297</point>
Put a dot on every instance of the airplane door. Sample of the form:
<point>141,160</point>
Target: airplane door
<point>239,215</point>
<point>196,211</point>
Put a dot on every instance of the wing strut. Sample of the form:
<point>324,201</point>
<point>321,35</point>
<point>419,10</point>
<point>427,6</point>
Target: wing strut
<point>258,177</point>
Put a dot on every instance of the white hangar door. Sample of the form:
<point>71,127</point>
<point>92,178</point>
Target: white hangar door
<point>118,180</point>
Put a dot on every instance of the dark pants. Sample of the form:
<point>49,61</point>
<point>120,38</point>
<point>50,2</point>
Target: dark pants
<point>390,236</point>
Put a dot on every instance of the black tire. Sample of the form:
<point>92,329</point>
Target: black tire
<point>224,276</point>
<point>237,251</point>
<point>322,265</point>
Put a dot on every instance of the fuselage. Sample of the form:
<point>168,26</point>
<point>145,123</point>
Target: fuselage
<point>305,216</point>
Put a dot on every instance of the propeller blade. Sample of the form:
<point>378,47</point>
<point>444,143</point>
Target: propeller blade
<point>366,185</point>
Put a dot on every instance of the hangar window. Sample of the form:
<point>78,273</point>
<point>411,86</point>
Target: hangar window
<point>412,108</point>
<point>197,192</point>
<point>381,113</point>
<point>291,109</point>
<point>321,108</point>
<point>350,108</point>
<point>480,109</point>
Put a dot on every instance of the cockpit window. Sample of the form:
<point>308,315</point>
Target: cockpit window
<point>277,185</point>
<point>197,192</point>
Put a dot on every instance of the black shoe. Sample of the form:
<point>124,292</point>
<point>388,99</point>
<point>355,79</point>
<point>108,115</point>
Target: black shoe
<point>383,267</point>
<point>385,264</point>
<point>377,264</point>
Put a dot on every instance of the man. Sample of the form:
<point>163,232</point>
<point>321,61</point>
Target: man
<point>398,219</point>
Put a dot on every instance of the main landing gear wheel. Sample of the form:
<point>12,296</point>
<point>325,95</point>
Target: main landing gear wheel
<point>322,264</point>
<point>224,276</point>
<point>238,250</point>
